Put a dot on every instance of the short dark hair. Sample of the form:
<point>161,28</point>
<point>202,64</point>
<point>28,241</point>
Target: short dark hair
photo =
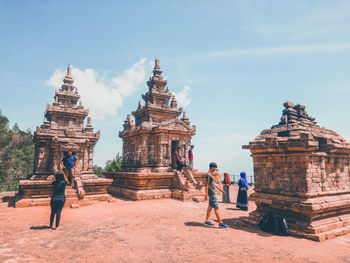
<point>192,145</point>
<point>212,164</point>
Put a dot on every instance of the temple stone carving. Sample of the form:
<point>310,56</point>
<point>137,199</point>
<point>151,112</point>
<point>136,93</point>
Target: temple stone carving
<point>149,146</point>
<point>301,172</point>
<point>63,130</point>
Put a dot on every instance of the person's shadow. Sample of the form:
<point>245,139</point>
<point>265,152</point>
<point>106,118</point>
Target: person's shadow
<point>235,223</point>
<point>39,227</point>
<point>195,224</point>
<point>9,199</point>
<point>234,209</point>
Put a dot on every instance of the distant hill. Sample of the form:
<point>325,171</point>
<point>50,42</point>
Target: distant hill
<point>16,154</point>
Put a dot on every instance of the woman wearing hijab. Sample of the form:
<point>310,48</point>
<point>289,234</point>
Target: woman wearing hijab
<point>226,184</point>
<point>242,198</point>
<point>58,198</point>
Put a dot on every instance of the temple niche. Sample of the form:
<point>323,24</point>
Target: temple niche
<point>62,131</point>
<point>301,172</point>
<point>149,146</point>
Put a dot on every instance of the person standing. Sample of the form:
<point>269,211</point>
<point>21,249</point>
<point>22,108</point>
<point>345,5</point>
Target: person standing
<point>58,198</point>
<point>242,197</point>
<point>190,157</point>
<point>211,187</point>
<point>68,163</point>
<point>226,185</point>
<point>178,159</point>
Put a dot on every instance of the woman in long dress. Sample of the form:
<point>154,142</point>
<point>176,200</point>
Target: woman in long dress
<point>226,184</point>
<point>242,197</point>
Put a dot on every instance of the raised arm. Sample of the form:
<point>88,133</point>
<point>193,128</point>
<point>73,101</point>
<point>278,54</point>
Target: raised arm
<point>62,165</point>
<point>65,177</point>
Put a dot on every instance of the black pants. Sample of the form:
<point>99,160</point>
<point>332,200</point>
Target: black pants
<point>69,174</point>
<point>179,166</point>
<point>56,208</point>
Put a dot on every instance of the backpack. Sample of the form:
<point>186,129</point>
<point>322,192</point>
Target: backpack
<point>274,224</point>
<point>280,226</point>
<point>267,223</point>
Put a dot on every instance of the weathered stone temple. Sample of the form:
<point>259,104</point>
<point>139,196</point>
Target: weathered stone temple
<point>302,172</point>
<point>149,147</point>
<point>63,131</point>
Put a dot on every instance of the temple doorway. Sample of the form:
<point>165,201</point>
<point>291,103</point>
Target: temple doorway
<point>174,146</point>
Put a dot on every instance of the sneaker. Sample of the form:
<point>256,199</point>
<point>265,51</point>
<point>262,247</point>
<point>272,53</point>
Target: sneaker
<point>208,223</point>
<point>223,225</point>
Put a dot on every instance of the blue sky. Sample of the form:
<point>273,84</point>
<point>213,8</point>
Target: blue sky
<point>232,63</point>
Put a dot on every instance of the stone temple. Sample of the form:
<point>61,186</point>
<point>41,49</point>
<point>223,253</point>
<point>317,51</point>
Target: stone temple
<point>149,146</point>
<point>63,131</point>
<point>302,172</point>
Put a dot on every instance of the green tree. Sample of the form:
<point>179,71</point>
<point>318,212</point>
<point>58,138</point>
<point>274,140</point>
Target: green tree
<point>16,154</point>
<point>97,170</point>
<point>114,165</point>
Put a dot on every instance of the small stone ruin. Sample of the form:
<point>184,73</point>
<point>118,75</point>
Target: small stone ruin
<point>301,172</point>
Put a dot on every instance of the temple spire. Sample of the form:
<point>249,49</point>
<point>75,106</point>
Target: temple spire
<point>68,80</point>
<point>157,71</point>
<point>69,70</point>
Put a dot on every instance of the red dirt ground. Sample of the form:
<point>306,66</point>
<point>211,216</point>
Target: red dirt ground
<point>151,231</point>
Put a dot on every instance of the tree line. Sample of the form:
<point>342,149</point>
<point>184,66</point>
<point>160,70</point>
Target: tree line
<point>16,154</point>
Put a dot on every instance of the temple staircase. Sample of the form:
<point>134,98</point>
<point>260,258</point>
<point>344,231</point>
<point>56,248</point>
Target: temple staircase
<point>186,187</point>
<point>73,200</point>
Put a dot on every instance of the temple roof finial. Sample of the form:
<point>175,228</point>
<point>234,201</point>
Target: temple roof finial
<point>157,71</point>
<point>69,70</point>
<point>68,80</point>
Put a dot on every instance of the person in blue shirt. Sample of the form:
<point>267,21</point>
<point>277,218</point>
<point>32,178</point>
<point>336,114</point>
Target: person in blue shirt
<point>68,163</point>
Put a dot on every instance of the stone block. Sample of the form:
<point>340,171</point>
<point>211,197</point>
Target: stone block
<point>74,206</point>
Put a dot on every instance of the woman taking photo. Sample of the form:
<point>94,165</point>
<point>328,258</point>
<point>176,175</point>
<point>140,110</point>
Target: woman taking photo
<point>58,198</point>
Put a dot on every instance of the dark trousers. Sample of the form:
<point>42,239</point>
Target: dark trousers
<point>69,174</point>
<point>179,166</point>
<point>56,208</point>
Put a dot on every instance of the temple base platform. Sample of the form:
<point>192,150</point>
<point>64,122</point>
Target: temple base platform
<point>87,190</point>
<point>156,185</point>
<point>317,218</point>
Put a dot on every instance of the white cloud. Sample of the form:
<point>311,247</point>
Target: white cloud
<point>183,97</point>
<point>103,96</point>
<point>131,79</point>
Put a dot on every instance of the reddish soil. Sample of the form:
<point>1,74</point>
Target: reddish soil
<point>151,231</point>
